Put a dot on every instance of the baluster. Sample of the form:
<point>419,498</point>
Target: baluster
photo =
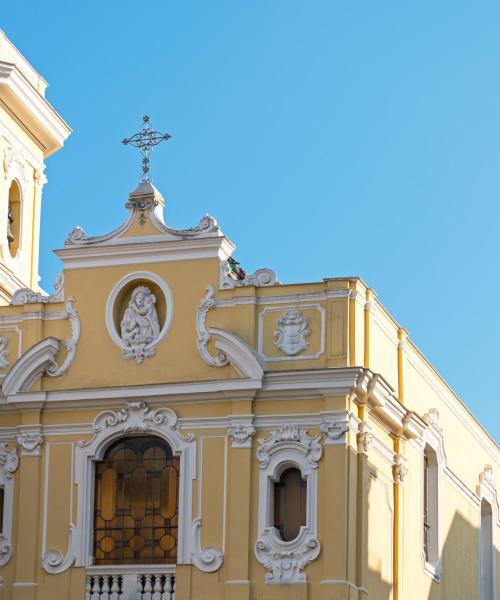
<point>140,586</point>
<point>173,586</point>
<point>105,587</point>
<point>167,594</point>
<point>96,588</point>
<point>157,587</point>
<point>148,588</point>
<point>88,587</point>
<point>115,588</point>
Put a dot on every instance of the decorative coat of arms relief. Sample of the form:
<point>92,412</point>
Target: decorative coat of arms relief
<point>140,327</point>
<point>291,332</point>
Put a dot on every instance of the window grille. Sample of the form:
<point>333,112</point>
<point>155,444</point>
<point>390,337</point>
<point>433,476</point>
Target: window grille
<point>136,503</point>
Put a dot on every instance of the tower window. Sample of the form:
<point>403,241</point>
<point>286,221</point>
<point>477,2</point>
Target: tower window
<point>136,503</point>
<point>290,503</point>
<point>14,219</point>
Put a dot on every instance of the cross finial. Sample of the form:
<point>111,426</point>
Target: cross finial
<point>145,140</point>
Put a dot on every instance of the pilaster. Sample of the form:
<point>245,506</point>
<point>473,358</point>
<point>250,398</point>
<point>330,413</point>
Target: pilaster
<point>241,435</point>
<point>28,509</point>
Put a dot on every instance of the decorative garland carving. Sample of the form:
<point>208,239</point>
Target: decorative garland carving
<point>4,354</point>
<point>207,303</point>
<point>241,431</point>
<point>9,462</point>
<point>290,433</point>
<point>399,469</point>
<point>136,416</point>
<point>431,418</point>
<point>14,159</point>
<point>30,442</point>
<point>287,566</point>
<point>70,345</point>
<point>364,438</point>
<point>29,296</point>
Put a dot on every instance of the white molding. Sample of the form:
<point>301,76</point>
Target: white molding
<point>285,560</point>
<point>32,316</point>
<point>9,462</point>
<point>143,249</point>
<point>283,299</point>
<point>32,364</point>
<point>129,278</point>
<point>40,359</point>
<point>444,392</point>
<point>281,309</point>
<point>240,354</point>
<point>50,126</point>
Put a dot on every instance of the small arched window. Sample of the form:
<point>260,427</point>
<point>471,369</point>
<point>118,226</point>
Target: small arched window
<point>136,503</point>
<point>487,557</point>
<point>14,218</point>
<point>290,503</point>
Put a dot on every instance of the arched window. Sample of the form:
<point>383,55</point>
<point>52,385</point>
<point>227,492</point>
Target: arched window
<point>487,557</point>
<point>136,503</point>
<point>290,503</point>
<point>14,218</point>
<point>431,506</point>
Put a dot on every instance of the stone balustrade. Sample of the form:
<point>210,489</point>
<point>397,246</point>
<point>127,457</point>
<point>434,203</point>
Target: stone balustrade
<point>125,584</point>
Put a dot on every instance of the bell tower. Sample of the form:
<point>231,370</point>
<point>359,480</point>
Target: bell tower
<point>30,131</point>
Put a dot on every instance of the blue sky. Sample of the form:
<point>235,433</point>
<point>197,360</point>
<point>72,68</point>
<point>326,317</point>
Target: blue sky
<point>329,138</point>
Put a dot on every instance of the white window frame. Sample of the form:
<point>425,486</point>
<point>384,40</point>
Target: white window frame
<point>284,448</point>
<point>135,418</point>
<point>486,490</point>
<point>433,437</point>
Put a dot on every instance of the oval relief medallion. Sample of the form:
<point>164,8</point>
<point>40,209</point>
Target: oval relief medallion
<point>139,314</point>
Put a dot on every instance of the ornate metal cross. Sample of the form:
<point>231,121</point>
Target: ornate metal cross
<point>145,140</point>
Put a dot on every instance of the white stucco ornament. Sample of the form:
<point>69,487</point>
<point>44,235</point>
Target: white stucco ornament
<point>291,332</point>
<point>285,560</point>
<point>4,354</point>
<point>139,326</point>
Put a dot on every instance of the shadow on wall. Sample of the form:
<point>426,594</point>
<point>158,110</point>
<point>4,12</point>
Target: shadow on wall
<point>460,579</point>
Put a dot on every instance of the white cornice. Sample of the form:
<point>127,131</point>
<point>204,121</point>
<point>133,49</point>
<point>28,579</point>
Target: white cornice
<point>151,249</point>
<point>32,108</point>
<point>283,298</point>
<point>32,316</point>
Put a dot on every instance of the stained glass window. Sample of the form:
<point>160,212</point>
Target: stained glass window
<point>136,503</point>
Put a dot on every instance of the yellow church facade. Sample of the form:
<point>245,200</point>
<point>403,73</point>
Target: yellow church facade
<point>173,428</point>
